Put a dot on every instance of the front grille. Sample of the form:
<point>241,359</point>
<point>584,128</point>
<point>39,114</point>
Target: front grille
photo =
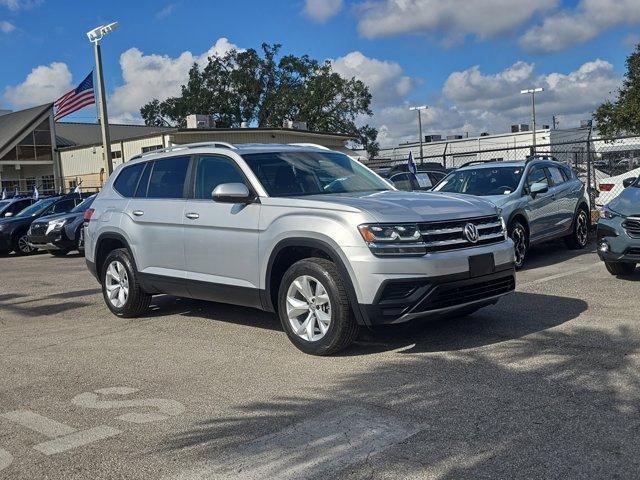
<point>633,251</point>
<point>449,235</point>
<point>38,228</point>
<point>632,226</point>
<point>399,290</point>
<point>445,296</point>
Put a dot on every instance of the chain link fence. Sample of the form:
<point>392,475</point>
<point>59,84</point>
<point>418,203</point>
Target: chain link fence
<point>602,164</point>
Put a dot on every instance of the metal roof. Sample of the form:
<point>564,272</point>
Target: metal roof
<point>73,134</point>
<point>13,126</point>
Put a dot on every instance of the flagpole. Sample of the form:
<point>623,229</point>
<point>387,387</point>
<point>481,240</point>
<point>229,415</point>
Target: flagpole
<point>104,120</point>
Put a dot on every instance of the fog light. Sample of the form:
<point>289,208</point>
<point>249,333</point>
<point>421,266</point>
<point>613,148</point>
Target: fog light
<point>603,247</point>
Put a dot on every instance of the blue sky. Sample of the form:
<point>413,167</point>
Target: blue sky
<point>466,59</point>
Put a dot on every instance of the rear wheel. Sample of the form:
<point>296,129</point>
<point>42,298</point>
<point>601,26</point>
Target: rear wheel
<point>21,244</point>
<point>580,235</point>
<point>120,287</point>
<point>520,238</point>
<point>620,268</point>
<point>314,307</point>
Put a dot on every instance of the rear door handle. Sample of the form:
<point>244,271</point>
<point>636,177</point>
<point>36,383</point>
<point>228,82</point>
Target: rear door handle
<point>192,216</point>
<point>138,213</point>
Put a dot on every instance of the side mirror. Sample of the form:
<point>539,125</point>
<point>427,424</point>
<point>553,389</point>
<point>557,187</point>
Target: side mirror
<point>538,188</point>
<point>232,193</point>
<point>8,214</point>
<point>627,182</point>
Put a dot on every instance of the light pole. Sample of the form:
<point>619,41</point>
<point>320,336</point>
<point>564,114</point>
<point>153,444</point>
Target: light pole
<point>95,36</point>
<point>419,110</point>
<point>532,92</point>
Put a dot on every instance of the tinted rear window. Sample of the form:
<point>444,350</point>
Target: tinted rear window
<point>126,182</point>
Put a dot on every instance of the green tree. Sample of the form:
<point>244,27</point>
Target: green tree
<point>623,115</point>
<point>265,89</point>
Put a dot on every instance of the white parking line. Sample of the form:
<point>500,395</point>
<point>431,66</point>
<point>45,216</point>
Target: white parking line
<point>319,447</point>
<point>75,440</point>
<point>5,459</point>
<point>38,423</point>
<point>549,278</point>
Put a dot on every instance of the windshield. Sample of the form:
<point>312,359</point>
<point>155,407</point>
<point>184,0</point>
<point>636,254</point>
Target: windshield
<point>3,204</point>
<point>287,174</point>
<point>482,181</point>
<point>36,208</point>
<point>82,207</point>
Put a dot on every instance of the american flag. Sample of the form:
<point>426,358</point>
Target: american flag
<point>75,99</point>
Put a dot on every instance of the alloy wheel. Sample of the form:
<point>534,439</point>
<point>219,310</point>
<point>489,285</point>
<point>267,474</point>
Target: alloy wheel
<point>582,229</point>
<point>519,237</point>
<point>117,284</point>
<point>23,245</point>
<point>308,308</point>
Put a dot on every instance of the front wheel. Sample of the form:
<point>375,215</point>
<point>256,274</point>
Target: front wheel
<point>120,287</point>
<point>580,235</point>
<point>520,238</point>
<point>620,268</point>
<point>314,307</point>
<point>21,245</point>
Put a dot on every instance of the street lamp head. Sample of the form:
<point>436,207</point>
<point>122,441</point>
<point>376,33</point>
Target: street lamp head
<point>422,107</point>
<point>97,33</point>
<point>531,90</point>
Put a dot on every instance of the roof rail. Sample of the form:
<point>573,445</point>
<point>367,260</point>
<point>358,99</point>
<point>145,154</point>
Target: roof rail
<point>476,162</point>
<point>314,145</point>
<point>187,146</point>
<point>541,157</point>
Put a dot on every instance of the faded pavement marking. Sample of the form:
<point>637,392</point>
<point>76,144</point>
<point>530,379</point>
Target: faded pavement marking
<point>318,447</point>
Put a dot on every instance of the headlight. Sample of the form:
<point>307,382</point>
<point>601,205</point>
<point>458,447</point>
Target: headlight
<point>607,213</point>
<point>400,239</point>
<point>57,223</point>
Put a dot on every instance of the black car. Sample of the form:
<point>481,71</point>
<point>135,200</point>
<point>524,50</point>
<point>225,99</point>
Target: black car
<point>10,207</point>
<point>13,230</point>
<point>424,179</point>
<point>61,232</point>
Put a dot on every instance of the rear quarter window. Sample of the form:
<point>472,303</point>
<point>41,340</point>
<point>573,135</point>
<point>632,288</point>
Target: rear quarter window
<point>127,180</point>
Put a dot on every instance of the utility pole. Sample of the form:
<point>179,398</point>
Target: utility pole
<point>419,110</point>
<point>555,122</point>
<point>532,92</point>
<point>95,36</point>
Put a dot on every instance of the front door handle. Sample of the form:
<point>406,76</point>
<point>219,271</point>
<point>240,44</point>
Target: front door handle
<point>192,216</point>
<point>138,213</point>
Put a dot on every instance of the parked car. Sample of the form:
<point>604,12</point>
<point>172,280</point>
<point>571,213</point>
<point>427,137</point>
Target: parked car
<point>13,230</point>
<point>303,231</point>
<point>61,232</point>
<point>619,230</point>
<point>403,179</point>
<point>540,199</point>
<point>611,187</point>
<point>9,207</point>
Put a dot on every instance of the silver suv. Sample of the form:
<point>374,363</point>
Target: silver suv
<point>302,231</point>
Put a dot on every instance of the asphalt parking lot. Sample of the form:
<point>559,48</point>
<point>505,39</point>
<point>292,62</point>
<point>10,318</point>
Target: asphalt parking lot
<point>545,384</point>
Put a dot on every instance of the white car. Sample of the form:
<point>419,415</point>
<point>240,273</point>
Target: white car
<point>611,187</point>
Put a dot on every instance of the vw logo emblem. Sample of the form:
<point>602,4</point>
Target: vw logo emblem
<point>471,232</point>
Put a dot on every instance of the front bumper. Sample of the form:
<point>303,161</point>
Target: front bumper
<point>54,240</point>
<point>5,243</point>
<point>621,246</point>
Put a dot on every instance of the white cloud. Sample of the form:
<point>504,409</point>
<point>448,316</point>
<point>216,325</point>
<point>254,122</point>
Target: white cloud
<point>581,24</point>
<point>155,76</point>
<point>15,5</point>
<point>454,19</point>
<point>6,27</point>
<point>322,10</point>
<point>386,80</point>
<point>165,11</point>
<point>44,84</point>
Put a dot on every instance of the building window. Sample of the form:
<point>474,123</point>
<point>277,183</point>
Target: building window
<point>72,184</point>
<point>151,148</point>
<point>48,183</point>
<point>31,183</point>
<point>116,154</point>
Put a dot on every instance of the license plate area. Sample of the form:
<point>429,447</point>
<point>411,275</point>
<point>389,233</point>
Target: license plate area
<point>484,264</point>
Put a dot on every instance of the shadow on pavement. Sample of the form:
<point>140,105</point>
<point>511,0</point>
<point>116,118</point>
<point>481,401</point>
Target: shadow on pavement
<point>553,253</point>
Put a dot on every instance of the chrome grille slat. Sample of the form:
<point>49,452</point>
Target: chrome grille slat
<point>449,235</point>
<point>462,240</point>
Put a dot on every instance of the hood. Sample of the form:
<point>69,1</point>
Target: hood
<point>497,200</point>
<point>627,203</point>
<point>397,206</point>
<point>10,221</point>
<point>56,216</point>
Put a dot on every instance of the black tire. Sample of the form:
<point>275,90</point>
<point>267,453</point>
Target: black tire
<point>137,301</point>
<point>20,245</point>
<point>579,237</point>
<point>620,268</point>
<point>59,253</point>
<point>343,327</point>
<point>519,234</point>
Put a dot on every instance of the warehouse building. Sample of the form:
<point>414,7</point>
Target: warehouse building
<point>36,151</point>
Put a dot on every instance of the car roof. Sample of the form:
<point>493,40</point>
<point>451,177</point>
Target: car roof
<point>517,163</point>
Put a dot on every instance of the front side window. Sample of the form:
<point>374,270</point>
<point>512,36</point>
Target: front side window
<point>538,175</point>
<point>63,206</point>
<point>424,180</point>
<point>167,178</point>
<point>402,181</point>
<point>556,175</point>
<point>214,171</point>
<point>127,180</point>
<point>286,174</point>
<point>482,181</point>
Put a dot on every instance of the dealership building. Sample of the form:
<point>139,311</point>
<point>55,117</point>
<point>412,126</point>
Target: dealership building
<point>36,151</point>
